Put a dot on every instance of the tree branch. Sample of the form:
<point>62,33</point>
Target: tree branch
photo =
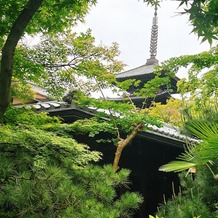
<point>123,143</point>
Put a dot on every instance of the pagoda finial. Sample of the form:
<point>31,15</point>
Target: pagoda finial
<point>154,38</point>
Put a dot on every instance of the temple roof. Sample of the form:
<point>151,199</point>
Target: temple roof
<point>70,113</point>
<point>138,71</point>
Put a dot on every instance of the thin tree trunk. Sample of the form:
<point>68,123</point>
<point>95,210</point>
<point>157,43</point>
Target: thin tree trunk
<point>123,143</point>
<point>17,30</point>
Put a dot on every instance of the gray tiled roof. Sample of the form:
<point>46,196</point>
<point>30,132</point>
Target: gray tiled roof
<point>167,132</point>
<point>47,106</point>
<point>144,69</point>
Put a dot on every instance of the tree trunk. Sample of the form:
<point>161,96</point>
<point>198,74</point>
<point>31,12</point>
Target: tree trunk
<point>16,32</point>
<point>123,143</point>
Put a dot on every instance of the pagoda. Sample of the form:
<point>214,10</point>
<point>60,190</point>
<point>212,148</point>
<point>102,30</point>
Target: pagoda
<point>145,73</point>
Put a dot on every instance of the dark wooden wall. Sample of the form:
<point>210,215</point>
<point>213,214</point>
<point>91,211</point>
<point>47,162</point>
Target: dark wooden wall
<point>143,157</point>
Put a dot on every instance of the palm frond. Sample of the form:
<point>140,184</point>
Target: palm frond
<point>197,154</point>
<point>203,130</point>
<point>177,166</point>
<point>189,154</point>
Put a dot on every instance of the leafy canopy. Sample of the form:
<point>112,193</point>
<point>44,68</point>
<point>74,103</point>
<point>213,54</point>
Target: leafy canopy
<point>168,113</point>
<point>70,61</point>
<point>32,17</point>
<point>52,17</point>
<point>199,108</point>
<point>44,174</point>
<point>200,89</point>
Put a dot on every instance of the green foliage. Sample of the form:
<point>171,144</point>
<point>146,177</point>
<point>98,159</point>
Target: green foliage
<point>53,16</point>
<point>126,84</point>
<point>26,68</point>
<point>203,16</point>
<point>208,133</point>
<point>71,60</point>
<point>46,175</point>
<point>151,88</point>
<point>31,17</point>
<point>197,199</point>
<point>184,208</point>
<point>168,113</point>
<point>22,91</point>
<point>94,126</point>
<point>128,201</point>
<point>197,155</point>
<point>152,2</point>
<point>177,166</point>
<point>23,116</point>
<point>66,61</point>
<point>201,84</point>
<point>118,115</point>
<point>90,127</point>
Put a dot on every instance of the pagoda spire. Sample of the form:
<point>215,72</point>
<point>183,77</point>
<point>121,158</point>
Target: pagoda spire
<point>153,43</point>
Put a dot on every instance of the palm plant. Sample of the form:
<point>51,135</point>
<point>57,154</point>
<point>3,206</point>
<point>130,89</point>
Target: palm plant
<point>203,152</point>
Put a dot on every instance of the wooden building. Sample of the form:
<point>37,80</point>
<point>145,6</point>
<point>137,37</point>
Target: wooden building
<point>146,153</point>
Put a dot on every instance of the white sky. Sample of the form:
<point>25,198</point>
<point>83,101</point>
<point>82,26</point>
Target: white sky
<point>128,22</point>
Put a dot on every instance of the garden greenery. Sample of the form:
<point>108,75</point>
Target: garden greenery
<point>44,174</point>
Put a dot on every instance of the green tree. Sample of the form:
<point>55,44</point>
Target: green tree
<point>200,89</point>
<point>169,113</point>
<point>203,16</point>
<point>197,198</point>
<point>73,62</point>
<point>199,107</point>
<point>44,174</point>
<point>32,17</point>
<point>123,120</point>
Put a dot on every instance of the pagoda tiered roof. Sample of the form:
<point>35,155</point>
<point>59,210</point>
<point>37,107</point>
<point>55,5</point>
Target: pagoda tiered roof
<point>143,70</point>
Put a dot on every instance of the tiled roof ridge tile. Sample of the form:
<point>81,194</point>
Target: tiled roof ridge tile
<point>167,130</point>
